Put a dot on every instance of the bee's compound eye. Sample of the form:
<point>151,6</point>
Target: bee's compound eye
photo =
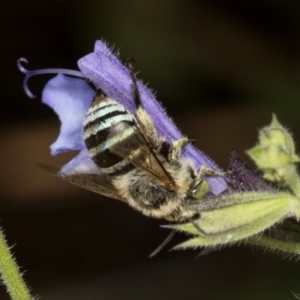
<point>200,190</point>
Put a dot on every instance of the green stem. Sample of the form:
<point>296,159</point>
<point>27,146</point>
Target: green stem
<point>10,274</point>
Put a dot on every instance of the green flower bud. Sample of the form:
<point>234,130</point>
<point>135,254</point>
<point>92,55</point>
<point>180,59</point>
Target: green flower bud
<point>275,153</point>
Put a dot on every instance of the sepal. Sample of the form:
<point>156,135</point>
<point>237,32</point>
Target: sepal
<point>237,216</point>
<point>285,237</point>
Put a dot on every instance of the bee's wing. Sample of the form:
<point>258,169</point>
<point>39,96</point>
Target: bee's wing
<point>94,182</point>
<point>137,151</point>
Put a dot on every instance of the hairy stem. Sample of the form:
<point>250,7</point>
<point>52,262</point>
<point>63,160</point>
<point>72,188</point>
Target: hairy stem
<point>11,275</point>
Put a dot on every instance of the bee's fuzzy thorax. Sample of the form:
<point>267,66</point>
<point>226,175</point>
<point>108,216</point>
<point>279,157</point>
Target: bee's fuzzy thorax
<point>150,197</point>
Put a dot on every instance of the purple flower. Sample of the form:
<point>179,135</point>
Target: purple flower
<point>70,98</point>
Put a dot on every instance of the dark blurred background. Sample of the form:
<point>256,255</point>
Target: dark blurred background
<point>219,67</point>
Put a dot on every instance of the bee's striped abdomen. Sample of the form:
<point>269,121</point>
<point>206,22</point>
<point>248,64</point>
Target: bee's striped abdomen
<point>106,124</point>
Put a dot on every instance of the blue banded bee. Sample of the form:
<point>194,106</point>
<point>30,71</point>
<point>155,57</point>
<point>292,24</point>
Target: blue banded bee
<point>136,165</point>
<point>146,171</point>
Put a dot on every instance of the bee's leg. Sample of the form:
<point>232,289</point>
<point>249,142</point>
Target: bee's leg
<point>176,147</point>
<point>207,171</point>
<point>144,121</point>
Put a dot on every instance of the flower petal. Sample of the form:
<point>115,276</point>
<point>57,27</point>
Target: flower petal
<point>113,78</point>
<point>70,98</point>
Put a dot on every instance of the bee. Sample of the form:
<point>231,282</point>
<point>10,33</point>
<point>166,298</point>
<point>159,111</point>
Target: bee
<point>136,165</point>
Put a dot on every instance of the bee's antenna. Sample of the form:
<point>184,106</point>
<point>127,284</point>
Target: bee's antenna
<point>163,244</point>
